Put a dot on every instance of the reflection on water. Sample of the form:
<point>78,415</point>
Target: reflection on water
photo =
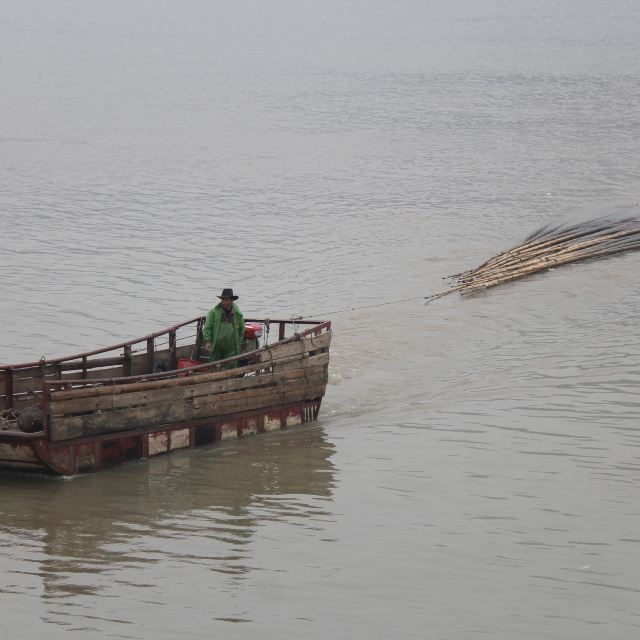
<point>201,509</point>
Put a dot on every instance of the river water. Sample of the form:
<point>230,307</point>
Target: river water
<point>476,468</point>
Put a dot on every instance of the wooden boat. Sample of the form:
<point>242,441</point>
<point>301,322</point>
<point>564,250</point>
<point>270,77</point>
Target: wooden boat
<point>133,400</point>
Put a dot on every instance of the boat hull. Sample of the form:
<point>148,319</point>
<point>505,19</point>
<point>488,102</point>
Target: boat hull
<point>24,453</point>
<point>88,424</point>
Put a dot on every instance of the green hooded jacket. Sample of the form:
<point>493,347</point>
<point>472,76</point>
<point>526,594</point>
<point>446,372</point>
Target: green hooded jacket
<point>212,326</point>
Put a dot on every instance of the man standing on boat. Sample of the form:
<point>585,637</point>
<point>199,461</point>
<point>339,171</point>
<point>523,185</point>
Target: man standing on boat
<point>224,328</point>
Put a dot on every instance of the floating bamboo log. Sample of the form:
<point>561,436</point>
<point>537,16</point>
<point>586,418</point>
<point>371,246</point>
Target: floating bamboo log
<point>546,248</point>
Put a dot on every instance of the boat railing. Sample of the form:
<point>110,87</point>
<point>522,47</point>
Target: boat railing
<point>25,383</point>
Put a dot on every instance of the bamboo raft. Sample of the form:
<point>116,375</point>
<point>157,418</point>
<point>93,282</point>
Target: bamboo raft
<point>133,400</point>
<point>549,247</point>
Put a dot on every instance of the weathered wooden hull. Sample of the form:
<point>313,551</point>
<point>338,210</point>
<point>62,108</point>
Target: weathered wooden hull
<point>93,424</point>
<point>20,452</point>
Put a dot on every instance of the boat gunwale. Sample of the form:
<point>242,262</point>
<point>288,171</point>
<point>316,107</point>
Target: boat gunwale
<point>176,373</point>
<point>151,336</point>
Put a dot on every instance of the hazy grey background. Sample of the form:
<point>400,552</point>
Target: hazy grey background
<point>476,470</point>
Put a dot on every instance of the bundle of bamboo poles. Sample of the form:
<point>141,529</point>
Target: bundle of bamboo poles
<point>546,248</point>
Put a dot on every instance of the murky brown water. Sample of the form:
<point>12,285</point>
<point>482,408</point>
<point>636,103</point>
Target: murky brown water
<point>476,469</point>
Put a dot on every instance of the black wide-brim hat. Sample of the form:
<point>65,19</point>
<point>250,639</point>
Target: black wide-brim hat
<point>227,293</point>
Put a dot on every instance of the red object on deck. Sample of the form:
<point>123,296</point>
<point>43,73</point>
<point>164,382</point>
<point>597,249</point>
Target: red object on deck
<point>185,363</point>
<point>252,330</point>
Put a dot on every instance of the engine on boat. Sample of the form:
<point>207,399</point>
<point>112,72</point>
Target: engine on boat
<point>252,335</point>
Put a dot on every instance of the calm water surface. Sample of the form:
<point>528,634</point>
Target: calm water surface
<point>476,470</point>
